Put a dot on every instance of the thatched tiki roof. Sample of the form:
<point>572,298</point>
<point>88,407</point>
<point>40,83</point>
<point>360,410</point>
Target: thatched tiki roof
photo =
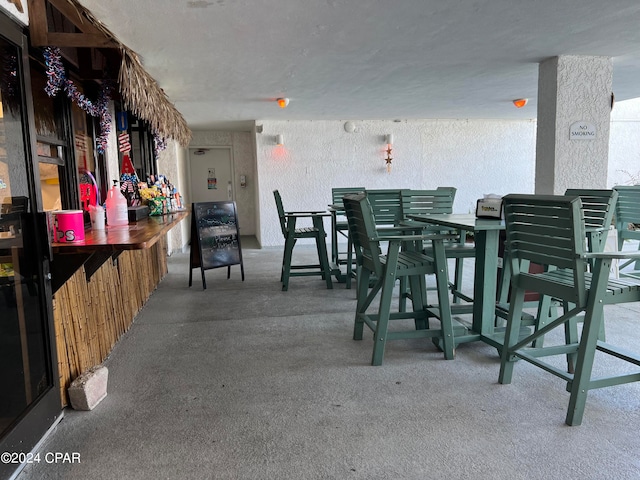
<point>147,100</point>
<point>140,92</point>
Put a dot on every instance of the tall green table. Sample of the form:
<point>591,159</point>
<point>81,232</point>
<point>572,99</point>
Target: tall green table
<point>486,235</point>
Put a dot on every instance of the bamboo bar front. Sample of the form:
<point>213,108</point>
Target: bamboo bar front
<point>91,316</point>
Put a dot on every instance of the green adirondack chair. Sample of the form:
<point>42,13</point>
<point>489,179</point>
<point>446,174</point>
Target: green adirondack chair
<point>407,263</point>
<point>550,230</point>
<point>292,234</point>
<point>627,214</point>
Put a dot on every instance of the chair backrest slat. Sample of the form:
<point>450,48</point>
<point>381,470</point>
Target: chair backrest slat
<point>386,206</point>
<point>427,202</point>
<point>597,205</point>
<point>543,249</point>
<point>547,230</point>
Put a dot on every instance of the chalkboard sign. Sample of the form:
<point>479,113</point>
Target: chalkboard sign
<point>215,238</point>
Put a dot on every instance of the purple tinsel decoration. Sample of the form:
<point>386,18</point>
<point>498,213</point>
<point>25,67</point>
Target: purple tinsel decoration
<point>56,80</point>
<point>55,71</point>
<point>105,116</point>
<point>10,75</point>
<point>9,81</point>
<point>159,142</point>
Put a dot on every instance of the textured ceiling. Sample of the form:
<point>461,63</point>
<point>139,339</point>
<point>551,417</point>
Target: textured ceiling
<point>224,62</point>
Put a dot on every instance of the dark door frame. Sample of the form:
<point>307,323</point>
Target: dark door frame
<point>46,410</point>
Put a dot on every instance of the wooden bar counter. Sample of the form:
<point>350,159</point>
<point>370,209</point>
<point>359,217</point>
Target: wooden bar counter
<point>100,284</point>
<point>136,236</point>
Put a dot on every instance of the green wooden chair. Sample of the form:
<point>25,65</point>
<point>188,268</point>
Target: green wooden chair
<point>386,205</point>
<point>550,230</point>
<point>407,263</point>
<point>432,202</point>
<point>338,192</point>
<point>628,214</point>
<point>597,210</point>
<point>292,234</point>
<point>428,202</point>
<point>341,227</point>
<point>598,207</point>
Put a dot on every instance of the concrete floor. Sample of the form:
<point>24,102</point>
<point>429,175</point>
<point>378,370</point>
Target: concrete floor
<point>244,381</point>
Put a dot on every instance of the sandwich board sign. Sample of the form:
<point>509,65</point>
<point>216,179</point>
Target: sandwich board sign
<point>215,238</point>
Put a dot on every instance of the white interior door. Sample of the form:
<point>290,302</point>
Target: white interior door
<point>211,174</point>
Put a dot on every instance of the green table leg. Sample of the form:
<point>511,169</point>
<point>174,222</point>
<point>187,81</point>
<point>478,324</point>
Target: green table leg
<point>485,281</point>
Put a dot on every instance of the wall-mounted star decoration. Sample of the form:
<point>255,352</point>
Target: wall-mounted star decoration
<point>389,159</point>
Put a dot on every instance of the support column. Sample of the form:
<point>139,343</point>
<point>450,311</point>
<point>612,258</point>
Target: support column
<point>574,109</point>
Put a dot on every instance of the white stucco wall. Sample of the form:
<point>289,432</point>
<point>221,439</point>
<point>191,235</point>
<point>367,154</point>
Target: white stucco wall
<point>475,156</point>
<point>245,164</point>
<point>183,186</point>
<point>171,164</point>
<point>624,145</point>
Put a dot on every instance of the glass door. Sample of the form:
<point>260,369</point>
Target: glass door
<point>29,396</point>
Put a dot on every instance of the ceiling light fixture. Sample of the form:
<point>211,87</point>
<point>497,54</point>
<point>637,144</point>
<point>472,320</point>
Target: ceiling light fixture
<point>283,102</point>
<point>279,140</point>
<point>520,102</point>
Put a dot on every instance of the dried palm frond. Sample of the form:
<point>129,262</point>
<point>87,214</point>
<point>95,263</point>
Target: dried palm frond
<point>140,92</point>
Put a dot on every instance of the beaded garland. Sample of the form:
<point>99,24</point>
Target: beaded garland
<point>57,80</point>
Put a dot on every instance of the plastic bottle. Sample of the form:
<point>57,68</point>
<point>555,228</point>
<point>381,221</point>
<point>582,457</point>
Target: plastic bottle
<point>117,211</point>
<point>97,215</point>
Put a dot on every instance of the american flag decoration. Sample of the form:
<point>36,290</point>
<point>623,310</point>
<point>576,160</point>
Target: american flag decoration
<point>123,141</point>
<point>128,183</point>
